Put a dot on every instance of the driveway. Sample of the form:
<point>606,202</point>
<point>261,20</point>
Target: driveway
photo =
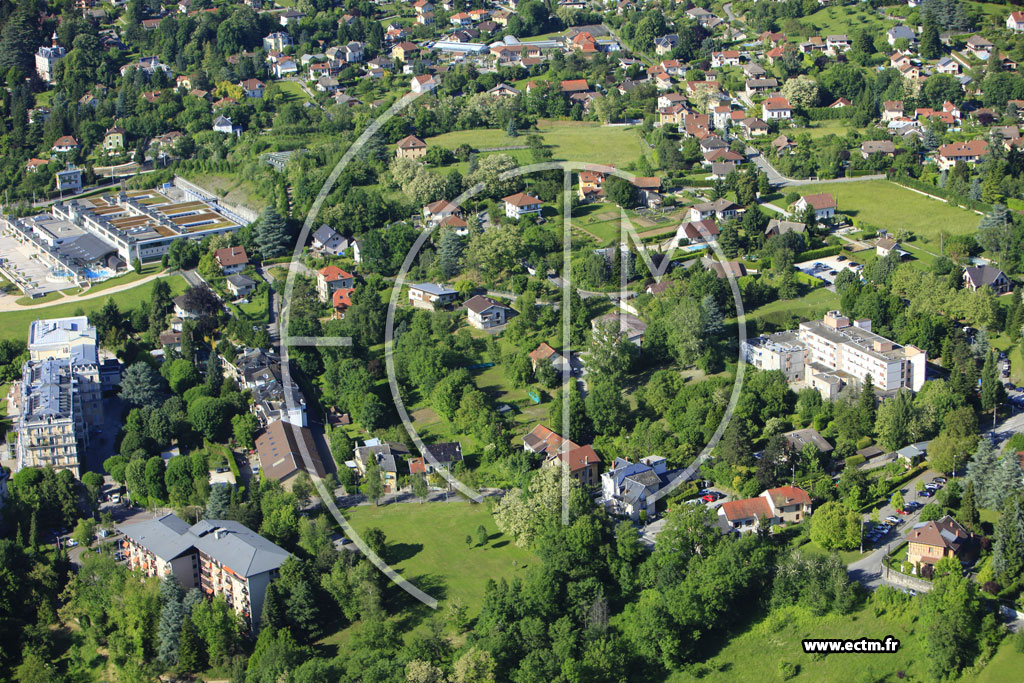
<point>869,570</point>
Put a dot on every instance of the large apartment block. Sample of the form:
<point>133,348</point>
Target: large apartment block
<point>60,394</point>
<point>830,353</point>
<point>220,557</point>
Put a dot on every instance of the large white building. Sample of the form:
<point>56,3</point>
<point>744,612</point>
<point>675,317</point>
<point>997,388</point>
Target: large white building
<point>47,58</point>
<point>60,394</point>
<point>220,557</point>
<point>830,353</point>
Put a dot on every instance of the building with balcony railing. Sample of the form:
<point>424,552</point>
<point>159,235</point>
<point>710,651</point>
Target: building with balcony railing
<point>220,557</point>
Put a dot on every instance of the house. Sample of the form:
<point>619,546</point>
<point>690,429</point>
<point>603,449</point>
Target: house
<point>484,313</point>
<point>47,57</point>
<point>277,41</point>
<point>327,240</point>
<point>886,147</point>
<point>574,86</point>
<point>411,147</point>
<point>65,143</point>
<point>341,301</point>
<point>836,44</point>
<point>113,140</point>
<point>521,204</point>
<point>650,190</point>
<point>284,67</point>
<point>503,90</point>
<point>969,152</point>
<point>783,145</point>
<point>231,259</point>
<point>545,354</point>
<point>69,179</point>
<point>753,127</point>
<point>290,16</point>
<point>424,83</point>
<point>222,124</point>
<point>777,108</point>
<point>929,542</point>
<point>798,438</point>
<point>898,33</point>
<point>404,51</point>
<point>783,505</point>
<point>388,457</point>
<point>665,44</point>
<point>253,87</point>
<point>947,66</point>
<point>581,461</point>
<point>437,457</point>
<point>34,165</point>
<point>824,205</point>
<point>885,246</point>
<point>431,296</point>
<point>623,323</point>
<point>725,58</point>
<point>1015,22</point>
<point>986,276</point>
<point>723,269</point>
<point>331,278</point>
<point>840,103</point>
<point>327,84</point>
<point>721,209</point>
<point>628,487</point>
<point>216,556</point>
<point>979,47</point>
<point>285,449</point>
<point>759,86</point>
<point>697,232</point>
<point>780,227</point>
<point>239,285</point>
<point>591,184</point>
<point>892,110</point>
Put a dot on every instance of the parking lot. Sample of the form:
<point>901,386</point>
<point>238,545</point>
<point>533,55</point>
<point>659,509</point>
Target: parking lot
<point>826,269</point>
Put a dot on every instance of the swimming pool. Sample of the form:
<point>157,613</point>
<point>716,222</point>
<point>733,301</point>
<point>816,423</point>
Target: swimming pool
<point>98,273</point>
<point>693,247</point>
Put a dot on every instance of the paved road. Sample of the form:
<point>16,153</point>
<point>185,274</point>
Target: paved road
<point>776,179</point>
<point>728,12</point>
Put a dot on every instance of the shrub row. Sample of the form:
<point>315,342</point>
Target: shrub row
<point>823,252</point>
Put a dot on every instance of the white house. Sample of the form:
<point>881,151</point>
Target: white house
<point>627,487</point>
<point>824,205</point>
<point>70,179</point>
<point>429,295</point>
<point>224,125</point>
<point>777,108</point>
<point>483,312</point>
<point>521,204</point>
<point>421,84</point>
<point>1015,22</point>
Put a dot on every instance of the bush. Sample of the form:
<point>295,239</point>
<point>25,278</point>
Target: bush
<point>864,442</point>
<point>855,461</point>
<point>787,670</point>
<point>812,254</point>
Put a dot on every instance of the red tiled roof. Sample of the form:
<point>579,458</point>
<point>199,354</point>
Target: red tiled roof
<point>521,199</point>
<point>542,352</point>
<point>231,256</point>
<point>342,298</point>
<point>748,508</point>
<point>789,495</point>
<point>332,273</point>
<point>578,458</point>
<point>411,142</point>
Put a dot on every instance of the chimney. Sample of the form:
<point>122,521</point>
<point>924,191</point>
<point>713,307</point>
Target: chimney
<point>53,39</point>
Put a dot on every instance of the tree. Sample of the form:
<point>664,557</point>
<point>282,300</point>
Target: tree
<point>897,501</point>
<point>968,513</point>
<point>142,386</point>
<point>341,446</point>
<point>621,191</point>
<point>218,505</point>
<point>834,526</point>
<point>1008,548</point>
<point>172,616</point>
<point>952,620</point>
<point>475,666</point>
<point>450,251</point>
<point>992,391</point>
<point>930,47</point>
<point>243,429</point>
<point>208,416</point>
<point>605,406</point>
<point>418,483</point>
<point>981,473</point>
<point>270,234</point>
<point>85,531</point>
<point>373,485</point>
<point>801,91</point>
<point>481,535</point>
<point>896,421</point>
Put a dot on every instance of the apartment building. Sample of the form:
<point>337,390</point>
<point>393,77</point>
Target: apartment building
<point>850,350</point>
<point>781,351</point>
<point>60,394</point>
<point>220,557</point>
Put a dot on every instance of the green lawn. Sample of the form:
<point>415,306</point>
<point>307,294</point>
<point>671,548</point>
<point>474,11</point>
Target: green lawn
<point>569,141</point>
<point>819,129</point>
<point>14,324</point>
<point>427,546</point>
<point>1006,665</point>
<point>233,189</point>
<point>127,278</point>
<point>883,204</point>
<point>46,298</point>
<point>755,655</point>
<point>292,90</point>
<point>833,20</point>
<point>812,305</point>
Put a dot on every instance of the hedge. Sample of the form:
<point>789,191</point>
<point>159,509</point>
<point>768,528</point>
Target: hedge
<point>828,113</point>
<point>823,252</point>
<point>855,460</point>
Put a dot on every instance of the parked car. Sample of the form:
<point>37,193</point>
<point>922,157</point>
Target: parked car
<point>893,519</point>
<point>927,493</point>
<point>708,498</point>
<point>71,543</point>
<point>840,258</point>
<point>939,480</point>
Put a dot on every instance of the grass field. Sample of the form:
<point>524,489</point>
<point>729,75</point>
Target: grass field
<point>882,204</point>
<point>46,298</point>
<point>427,545</point>
<point>756,654</point>
<point>14,324</point>
<point>812,305</point>
<point>569,141</point>
<point>819,129</point>
<point>292,90</point>
<point>1006,665</point>
<point>231,188</point>
<point>833,20</point>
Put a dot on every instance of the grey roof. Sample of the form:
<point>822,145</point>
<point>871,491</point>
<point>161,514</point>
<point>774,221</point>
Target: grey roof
<point>325,234</point>
<point>164,536</point>
<point>982,275</point>
<point>239,280</point>
<point>86,249</point>
<point>782,227</point>
<point>898,32</point>
<point>236,546</point>
<point>47,390</point>
<point>431,288</point>
<point>450,451</point>
<point>799,437</point>
<point>384,455</point>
